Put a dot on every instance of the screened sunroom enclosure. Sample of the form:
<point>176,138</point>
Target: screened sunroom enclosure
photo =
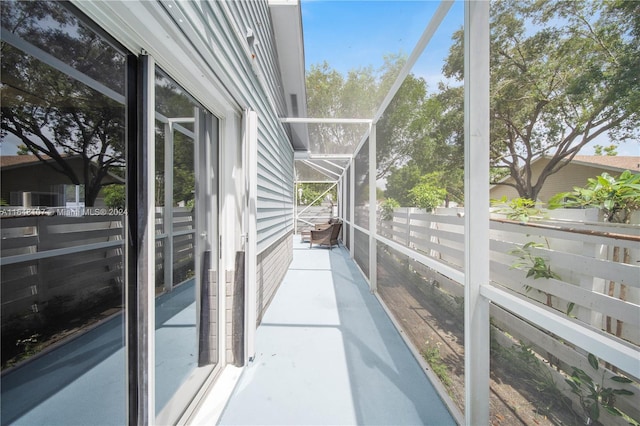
<point>198,118</point>
<point>452,271</point>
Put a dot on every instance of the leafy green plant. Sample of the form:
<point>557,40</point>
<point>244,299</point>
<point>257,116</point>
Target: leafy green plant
<point>388,206</point>
<point>115,196</point>
<point>309,193</point>
<point>594,395</point>
<point>537,265</point>
<point>617,197</point>
<point>432,355</point>
<point>28,345</point>
<point>427,196</point>
<point>520,209</point>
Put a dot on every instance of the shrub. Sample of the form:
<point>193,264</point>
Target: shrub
<point>617,197</point>
<point>388,207</point>
<point>427,196</point>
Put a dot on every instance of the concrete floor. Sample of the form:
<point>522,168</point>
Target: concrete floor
<point>328,354</point>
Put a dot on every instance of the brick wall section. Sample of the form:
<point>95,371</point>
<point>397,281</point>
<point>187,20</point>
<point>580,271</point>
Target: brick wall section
<point>272,265</point>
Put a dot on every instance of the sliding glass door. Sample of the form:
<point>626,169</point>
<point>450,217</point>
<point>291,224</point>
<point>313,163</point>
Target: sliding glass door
<point>62,218</point>
<point>186,243</point>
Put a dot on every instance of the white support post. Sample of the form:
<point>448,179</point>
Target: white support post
<point>373,229</point>
<point>408,228</point>
<point>295,208</point>
<point>229,179</point>
<point>352,205</point>
<point>250,143</point>
<point>476,206</point>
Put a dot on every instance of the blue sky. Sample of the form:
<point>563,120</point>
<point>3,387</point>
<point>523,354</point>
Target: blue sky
<point>353,34</point>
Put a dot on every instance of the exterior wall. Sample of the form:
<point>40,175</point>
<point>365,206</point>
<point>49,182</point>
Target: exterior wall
<point>275,155</point>
<point>254,16</point>
<point>275,192</point>
<point>272,267</point>
<point>205,47</point>
<point>568,177</point>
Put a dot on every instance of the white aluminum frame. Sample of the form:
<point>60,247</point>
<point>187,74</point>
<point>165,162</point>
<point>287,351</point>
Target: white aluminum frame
<point>146,372</point>
<point>250,146</point>
<point>476,209</point>
<point>373,210</point>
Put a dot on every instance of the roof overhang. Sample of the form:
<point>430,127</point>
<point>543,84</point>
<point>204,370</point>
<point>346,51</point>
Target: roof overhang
<point>286,16</point>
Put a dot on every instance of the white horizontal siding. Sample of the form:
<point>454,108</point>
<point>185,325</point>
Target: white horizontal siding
<point>225,25</point>
<point>203,46</point>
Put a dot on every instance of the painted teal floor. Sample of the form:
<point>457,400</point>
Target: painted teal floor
<point>328,354</point>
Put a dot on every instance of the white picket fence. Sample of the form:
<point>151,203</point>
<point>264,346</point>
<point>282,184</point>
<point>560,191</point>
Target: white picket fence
<point>597,266</point>
<point>77,257</point>
<point>582,254</point>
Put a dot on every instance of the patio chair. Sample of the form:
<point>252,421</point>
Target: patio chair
<point>327,237</point>
<point>322,226</point>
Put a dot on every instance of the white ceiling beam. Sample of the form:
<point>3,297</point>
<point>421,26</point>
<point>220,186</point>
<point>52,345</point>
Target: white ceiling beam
<point>325,120</point>
<point>321,169</point>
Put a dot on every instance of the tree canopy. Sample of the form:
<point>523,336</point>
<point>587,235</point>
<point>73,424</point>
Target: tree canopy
<point>356,95</point>
<point>54,115</point>
<point>562,74</point>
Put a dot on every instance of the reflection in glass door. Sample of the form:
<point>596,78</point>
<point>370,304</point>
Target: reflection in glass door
<point>185,227</point>
<point>63,218</point>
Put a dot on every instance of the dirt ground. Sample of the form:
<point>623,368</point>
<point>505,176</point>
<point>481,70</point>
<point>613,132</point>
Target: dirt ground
<point>430,325</point>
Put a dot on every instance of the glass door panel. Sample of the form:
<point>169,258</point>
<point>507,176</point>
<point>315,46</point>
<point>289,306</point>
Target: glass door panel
<point>181,242</point>
<point>63,217</point>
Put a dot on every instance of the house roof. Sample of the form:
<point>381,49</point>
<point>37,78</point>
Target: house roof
<point>8,162</point>
<point>18,160</point>
<point>613,162</point>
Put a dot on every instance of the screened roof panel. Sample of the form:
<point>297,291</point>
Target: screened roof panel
<point>320,169</point>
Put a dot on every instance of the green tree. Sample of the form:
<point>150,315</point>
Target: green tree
<point>427,196</point>
<point>311,192</point>
<point>55,116</point>
<point>562,74</point>
<point>400,126</point>
<point>401,181</point>
<point>356,95</point>
<point>610,150</point>
<point>388,207</point>
<point>451,181</point>
<point>432,150</point>
<point>115,196</point>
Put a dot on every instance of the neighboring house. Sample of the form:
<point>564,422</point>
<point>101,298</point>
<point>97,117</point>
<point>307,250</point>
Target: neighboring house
<point>47,187</point>
<point>575,174</point>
